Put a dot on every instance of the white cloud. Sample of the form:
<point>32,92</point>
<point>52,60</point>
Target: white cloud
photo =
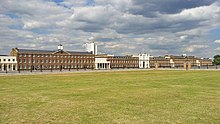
<point>33,24</point>
<point>198,13</point>
<point>217,49</point>
<point>192,48</point>
<point>119,26</point>
<point>217,41</point>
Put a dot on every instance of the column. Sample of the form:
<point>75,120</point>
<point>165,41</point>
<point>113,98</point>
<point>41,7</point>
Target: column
<point>3,66</point>
<point>12,67</point>
<point>7,67</point>
<point>16,67</point>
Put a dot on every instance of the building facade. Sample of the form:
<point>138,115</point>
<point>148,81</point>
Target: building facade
<point>25,59</point>
<point>144,61</point>
<point>183,61</point>
<point>52,60</point>
<point>102,62</point>
<point>8,63</point>
<point>123,61</point>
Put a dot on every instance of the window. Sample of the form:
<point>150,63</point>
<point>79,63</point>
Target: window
<point>4,60</point>
<point>9,60</point>
<point>24,61</point>
<point>29,55</point>
<point>13,60</point>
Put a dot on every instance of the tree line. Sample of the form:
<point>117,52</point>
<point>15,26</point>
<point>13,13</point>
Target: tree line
<point>216,60</point>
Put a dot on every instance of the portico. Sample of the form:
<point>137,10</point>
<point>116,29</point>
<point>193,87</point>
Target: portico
<point>8,63</point>
<point>102,63</point>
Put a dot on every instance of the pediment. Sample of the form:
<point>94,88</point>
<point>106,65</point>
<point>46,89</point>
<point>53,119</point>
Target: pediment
<point>61,53</point>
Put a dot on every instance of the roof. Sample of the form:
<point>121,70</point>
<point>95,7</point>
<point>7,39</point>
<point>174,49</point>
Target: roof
<point>34,51</point>
<point>48,51</point>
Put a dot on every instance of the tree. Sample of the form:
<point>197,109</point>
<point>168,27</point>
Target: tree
<point>216,60</point>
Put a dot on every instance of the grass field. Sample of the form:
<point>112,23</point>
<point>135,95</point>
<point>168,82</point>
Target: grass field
<point>112,97</point>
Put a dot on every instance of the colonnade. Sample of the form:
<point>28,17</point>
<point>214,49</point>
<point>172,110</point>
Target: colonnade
<point>8,67</point>
<point>103,66</point>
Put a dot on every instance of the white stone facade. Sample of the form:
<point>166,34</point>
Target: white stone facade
<point>144,60</point>
<point>8,63</point>
<point>102,63</point>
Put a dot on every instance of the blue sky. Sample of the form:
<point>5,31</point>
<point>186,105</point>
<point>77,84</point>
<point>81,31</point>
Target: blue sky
<point>120,27</point>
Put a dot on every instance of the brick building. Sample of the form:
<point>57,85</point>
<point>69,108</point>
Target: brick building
<point>124,61</point>
<point>59,59</point>
<point>52,60</point>
<point>179,62</point>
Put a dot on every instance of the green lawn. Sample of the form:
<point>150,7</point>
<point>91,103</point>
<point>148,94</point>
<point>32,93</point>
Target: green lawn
<point>112,97</point>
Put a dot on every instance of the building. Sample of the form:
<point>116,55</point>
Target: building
<point>26,59</point>
<point>182,61</point>
<point>123,61</point>
<point>8,63</point>
<point>52,60</point>
<point>144,61</point>
<point>102,62</point>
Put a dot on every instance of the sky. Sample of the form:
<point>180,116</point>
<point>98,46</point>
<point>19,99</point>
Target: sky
<point>120,27</point>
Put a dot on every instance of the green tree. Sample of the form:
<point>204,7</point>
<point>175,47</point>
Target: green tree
<point>217,60</point>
